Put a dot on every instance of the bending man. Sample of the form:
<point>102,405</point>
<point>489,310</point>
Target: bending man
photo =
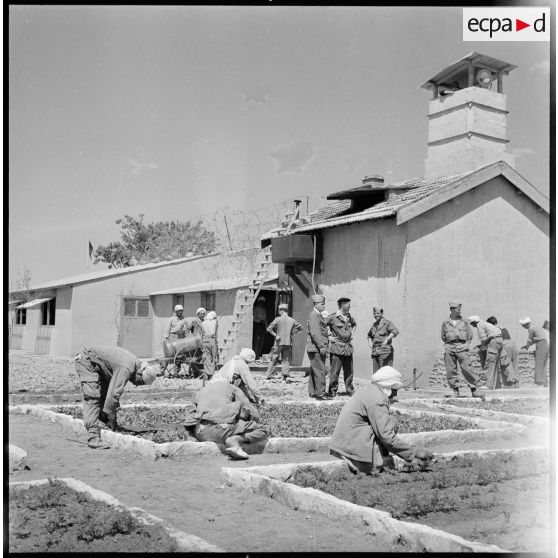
<point>103,372</point>
<point>366,433</point>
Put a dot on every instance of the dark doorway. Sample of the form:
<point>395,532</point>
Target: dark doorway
<point>259,331</point>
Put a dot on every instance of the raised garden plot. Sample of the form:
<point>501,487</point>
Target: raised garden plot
<point>284,420</point>
<point>66,515</point>
<point>534,407</point>
<point>488,498</point>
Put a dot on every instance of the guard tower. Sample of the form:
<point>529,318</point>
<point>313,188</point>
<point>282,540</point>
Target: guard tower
<point>467,116</point>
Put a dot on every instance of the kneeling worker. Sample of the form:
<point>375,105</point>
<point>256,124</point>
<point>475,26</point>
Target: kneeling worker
<point>224,415</point>
<point>365,433</point>
<point>103,372</point>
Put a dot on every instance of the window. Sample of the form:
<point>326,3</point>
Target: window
<point>48,312</point>
<point>136,307</point>
<point>208,300</point>
<point>178,299</point>
<point>21,316</point>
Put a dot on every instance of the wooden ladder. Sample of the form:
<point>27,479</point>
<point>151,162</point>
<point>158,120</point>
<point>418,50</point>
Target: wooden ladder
<point>245,300</point>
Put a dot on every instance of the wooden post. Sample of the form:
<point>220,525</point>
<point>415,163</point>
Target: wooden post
<point>471,80</point>
<point>500,83</point>
<point>414,378</point>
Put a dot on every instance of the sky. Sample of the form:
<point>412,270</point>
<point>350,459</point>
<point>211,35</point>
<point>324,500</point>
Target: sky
<point>177,112</point>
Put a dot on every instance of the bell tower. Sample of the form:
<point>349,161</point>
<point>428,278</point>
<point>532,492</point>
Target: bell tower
<point>467,116</point>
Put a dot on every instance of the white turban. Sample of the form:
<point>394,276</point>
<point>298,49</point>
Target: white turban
<point>248,355</point>
<point>211,315</point>
<point>474,318</point>
<point>200,310</point>
<point>178,307</point>
<point>388,378</point>
<point>148,373</point>
<point>525,321</point>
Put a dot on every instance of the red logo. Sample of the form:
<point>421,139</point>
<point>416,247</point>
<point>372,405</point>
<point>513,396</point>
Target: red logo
<point>519,25</point>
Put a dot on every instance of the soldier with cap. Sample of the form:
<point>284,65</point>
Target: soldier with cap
<point>341,326</point>
<point>456,336</point>
<point>103,372</point>
<point>177,324</point>
<point>316,347</point>
<point>379,340</point>
<point>282,328</point>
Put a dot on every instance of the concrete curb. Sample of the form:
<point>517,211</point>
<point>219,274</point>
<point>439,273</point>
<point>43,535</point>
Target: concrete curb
<point>488,430</point>
<point>271,480</point>
<point>185,542</point>
<point>471,413</point>
<point>17,458</point>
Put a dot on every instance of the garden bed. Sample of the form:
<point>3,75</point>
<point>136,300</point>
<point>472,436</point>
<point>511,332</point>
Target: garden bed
<point>465,501</point>
<point>65,515</point>
<point>291,420</point>
<point>534,407</point>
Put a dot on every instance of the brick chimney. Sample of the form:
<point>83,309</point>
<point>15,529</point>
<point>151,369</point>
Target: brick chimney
<point>467,116</point>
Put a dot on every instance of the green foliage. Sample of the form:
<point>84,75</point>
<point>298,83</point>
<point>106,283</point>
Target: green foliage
<point>161,240</point>
<point>56,518</point>
<point>534,407</point>
<point>461,483</point>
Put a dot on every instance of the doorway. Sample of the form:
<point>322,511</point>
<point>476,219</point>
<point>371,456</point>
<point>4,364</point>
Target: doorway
<point>262,341</point>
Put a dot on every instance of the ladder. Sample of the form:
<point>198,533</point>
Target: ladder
<point>246,300</point>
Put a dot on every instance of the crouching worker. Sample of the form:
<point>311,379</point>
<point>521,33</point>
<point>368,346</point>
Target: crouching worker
<point>237,372</point>
<point>224,415</point>
<point>103,372</point>
<point>366,433</point>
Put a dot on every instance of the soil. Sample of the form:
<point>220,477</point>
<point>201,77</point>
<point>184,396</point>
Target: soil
<point>298,420</point>
<point>493,500</point>
<point>55,518</point>
<point>536,407</point>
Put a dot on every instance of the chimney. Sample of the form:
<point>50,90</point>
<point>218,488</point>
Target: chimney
<point>467,116</point>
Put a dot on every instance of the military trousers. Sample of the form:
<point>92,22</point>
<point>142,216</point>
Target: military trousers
<point>491,362</point>
<point>451,359</point>
<point>94,392</point>
<point>316,379</point>
<point>336,363</point>
<point>283,351</point>
<point>381,359</point>
<point>541,358</point>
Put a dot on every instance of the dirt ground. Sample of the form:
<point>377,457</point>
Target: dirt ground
<point>188,493</point>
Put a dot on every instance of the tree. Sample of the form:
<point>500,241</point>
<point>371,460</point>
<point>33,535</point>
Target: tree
<point>162,240</point>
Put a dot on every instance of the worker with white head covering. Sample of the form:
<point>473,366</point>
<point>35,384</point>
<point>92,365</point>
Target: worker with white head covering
<point>223,414</point>
<point>103,372</point>
<point>209,341</point>
<point>365,433</point>
<point>194,325</point>
<point>491,342</point>
<point>259,325</point>
<point>237,372</point>
<point>537,336</point>
<point>177,324</point>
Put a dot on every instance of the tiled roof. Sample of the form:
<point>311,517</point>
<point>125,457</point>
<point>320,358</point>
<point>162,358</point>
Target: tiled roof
<point>335,214</point>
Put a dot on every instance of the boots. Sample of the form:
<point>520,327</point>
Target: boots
<point>97,443</point>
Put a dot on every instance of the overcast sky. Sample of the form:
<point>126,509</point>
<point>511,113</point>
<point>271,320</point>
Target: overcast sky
<point>176,112</point>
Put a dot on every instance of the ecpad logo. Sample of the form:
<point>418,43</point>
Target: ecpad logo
<point>506,24</point>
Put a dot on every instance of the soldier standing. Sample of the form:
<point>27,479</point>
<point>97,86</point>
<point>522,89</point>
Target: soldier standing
<point>341,327</point>
<point>316,347</point>
<point>379,339</point>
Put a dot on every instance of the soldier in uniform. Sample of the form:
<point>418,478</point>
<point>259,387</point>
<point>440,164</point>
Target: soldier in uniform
<point>316,347</point>
<point>379,340</point>
<point>457,335</point>
<point>341,326</point>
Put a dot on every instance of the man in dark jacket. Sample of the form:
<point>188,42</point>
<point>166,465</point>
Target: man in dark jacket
<point>103,372</point>
<point>316,347</point>
<point>365,433</point>
<point>341,326</point>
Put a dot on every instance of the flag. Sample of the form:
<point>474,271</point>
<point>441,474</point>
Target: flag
<point>90,250</point>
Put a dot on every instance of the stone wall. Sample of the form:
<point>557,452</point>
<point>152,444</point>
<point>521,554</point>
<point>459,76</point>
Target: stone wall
<point>526,370</point>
